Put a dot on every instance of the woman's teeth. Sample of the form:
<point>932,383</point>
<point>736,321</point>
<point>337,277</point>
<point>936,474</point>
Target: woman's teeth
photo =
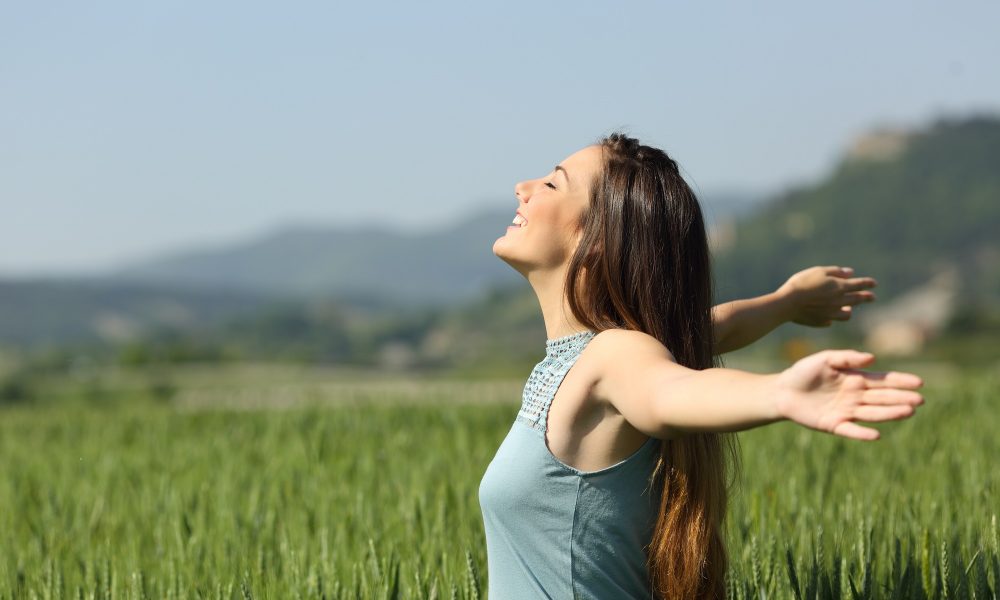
<point>519,221</point>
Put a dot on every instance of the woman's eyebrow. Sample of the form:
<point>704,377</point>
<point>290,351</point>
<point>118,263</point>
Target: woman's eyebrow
<point>565,174</point>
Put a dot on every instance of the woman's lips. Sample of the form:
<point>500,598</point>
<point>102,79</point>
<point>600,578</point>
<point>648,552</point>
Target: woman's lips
<point>519,221</point>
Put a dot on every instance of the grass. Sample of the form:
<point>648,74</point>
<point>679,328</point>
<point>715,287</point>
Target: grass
<point>372,494</point>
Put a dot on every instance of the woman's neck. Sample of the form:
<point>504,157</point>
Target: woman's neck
<point>550,290</point>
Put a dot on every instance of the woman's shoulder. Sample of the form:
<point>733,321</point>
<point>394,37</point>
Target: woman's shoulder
<point>628,368</point>
<point>627,344</point>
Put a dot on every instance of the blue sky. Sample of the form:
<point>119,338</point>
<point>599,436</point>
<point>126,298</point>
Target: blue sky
<point>129,129</point>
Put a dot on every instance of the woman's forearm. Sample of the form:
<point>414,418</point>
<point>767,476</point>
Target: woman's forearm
<point>739,323</point>
<point>719,400</point>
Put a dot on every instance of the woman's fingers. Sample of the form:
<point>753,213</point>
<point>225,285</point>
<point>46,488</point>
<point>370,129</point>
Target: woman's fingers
<point>850,362</point>
<point>859,283</point>
<point>887,396</point>
<point>869,395</point>
<point>883,413</point>
<point>842,314</point>
<point>855,431</point>
<point>888,379</point>
<point>837,271</point>
<point>852,298</point>
<point>848,359</point>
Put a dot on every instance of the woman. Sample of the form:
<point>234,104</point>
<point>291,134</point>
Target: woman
<point>612,480</point>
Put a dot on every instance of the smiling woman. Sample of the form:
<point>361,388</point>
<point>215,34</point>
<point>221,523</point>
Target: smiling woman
<point>612,482</point>
<point>546,223</point>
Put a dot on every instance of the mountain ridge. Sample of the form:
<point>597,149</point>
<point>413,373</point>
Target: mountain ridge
<point>901,207</point>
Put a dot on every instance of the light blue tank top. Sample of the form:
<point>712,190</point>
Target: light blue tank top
<point>553,531</point>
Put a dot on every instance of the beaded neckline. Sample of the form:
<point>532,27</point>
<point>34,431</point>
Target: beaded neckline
<point>573,341</point>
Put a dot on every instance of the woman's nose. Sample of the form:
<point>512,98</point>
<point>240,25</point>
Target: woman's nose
<point>520,191</point>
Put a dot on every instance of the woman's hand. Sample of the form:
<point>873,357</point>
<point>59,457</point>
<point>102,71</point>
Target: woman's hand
<point>817,296</point>
<point>828,392</point>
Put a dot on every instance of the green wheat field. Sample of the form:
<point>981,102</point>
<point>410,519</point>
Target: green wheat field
<point>290,485</point>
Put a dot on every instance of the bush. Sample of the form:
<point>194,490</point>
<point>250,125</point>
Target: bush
<point>16,389</point>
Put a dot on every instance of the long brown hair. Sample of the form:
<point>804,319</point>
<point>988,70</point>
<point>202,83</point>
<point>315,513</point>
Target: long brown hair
<point>643,264</point>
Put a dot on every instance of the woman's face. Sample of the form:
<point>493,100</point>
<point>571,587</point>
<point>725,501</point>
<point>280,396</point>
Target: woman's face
<point>546,227</point>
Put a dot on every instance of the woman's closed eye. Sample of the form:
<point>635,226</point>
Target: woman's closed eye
<point>550,185</point>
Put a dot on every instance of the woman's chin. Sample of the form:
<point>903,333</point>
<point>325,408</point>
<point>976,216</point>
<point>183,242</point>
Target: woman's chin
<point>500,248</point>
<point>503,249</point>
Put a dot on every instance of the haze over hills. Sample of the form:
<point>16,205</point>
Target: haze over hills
<point>367,269</point>
<point>448,265</point>
<point>370,269</point>
<point>443,266</point>
<point>50,313</point>
<point>902,206</point>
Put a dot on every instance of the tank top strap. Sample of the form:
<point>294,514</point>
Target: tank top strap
<point>560,355</point>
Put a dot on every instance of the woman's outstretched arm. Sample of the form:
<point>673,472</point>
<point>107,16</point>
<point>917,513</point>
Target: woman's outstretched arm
<point>816,296</point>
<point>826,391</point>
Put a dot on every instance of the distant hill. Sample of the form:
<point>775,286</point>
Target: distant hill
<point>446,266</point>
<point>365,271</point>
<point>903,206</point>
<point>36,313</point>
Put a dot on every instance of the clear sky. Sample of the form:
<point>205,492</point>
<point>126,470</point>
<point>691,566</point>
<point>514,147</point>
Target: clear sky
<point>128,129</point>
